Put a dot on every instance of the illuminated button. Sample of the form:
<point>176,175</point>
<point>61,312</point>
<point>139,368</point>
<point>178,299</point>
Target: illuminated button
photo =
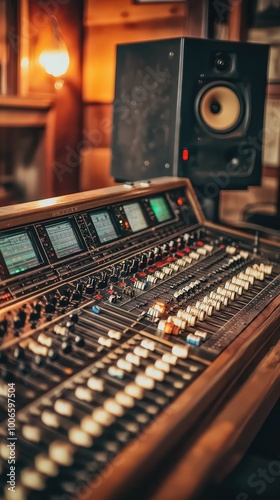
<point>185,157</point>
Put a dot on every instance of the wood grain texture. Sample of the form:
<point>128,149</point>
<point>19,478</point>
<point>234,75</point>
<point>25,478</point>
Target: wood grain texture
<point>112,12</point>
<point>230,434</point>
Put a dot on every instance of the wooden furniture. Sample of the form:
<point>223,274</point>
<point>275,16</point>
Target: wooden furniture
<point>31,113</point>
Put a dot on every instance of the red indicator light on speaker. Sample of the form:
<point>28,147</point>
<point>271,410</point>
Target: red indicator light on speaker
<point>180,202</point>
<point>185,154</point>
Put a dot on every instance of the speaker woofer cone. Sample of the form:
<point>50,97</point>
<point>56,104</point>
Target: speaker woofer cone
<point>219,107</point>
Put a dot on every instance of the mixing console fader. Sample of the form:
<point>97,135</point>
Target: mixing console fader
<point>124,315</point>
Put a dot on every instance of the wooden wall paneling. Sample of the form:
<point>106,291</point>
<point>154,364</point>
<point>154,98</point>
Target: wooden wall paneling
<point>96,153</point>
<point>237,26</point>
<point>97,128</point>
<point>68,100</point>
<point>112,12</point>
<point>96,164</point>
<point>197,18</point>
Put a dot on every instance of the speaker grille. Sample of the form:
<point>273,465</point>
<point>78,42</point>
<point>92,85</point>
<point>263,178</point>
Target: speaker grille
<point>219,107</point>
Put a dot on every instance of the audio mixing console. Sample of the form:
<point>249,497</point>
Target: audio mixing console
<point>120,309</point>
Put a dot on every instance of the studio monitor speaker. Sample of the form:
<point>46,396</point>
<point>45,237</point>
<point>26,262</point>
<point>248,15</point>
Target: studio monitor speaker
<point>192,108</point>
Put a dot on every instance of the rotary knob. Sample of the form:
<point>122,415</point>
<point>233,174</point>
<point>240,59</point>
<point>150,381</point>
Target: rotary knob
<point>151,257</point>
<point>143,261</point>
<point>180,243</point>
<point>50,307</point>
<point>78,292</point>
<point>125,268</point>
<point>157,253</point>
<point>103,282</point>
<point>90,287</point>
<point>165,249</point>
<point>134,265</point>
<point>34,315</point>
<point>63,301</point>
<point>115,274</point>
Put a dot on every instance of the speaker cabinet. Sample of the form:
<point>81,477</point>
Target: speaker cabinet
<point>190,108</point>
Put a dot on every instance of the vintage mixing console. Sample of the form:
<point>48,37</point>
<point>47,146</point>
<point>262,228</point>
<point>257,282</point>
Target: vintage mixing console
<point>125,320</point>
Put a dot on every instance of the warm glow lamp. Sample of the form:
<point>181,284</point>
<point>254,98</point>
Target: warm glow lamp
<point>55,59</point>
